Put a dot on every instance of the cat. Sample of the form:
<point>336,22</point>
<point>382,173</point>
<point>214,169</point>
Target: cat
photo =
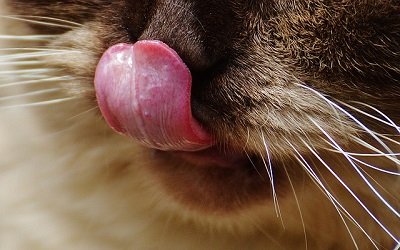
<point>172,124</point>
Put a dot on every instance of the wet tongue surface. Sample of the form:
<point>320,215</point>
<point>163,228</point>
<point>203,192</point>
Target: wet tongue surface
<point>143,91</point>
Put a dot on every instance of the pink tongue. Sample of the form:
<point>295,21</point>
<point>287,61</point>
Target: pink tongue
<point>143,91</point>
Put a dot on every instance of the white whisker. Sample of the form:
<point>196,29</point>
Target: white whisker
<point>41,80</point>
<point>338,207</point>
<point>369,146</point>
<point>388,138</point>
<point>22,63</point>
<point>27,71</point>
<point>40,104</point>
<point>26,19</point>
<point>380,185</point>
<point>382,114</point>
<point>271,177</point>
<point>373,167</point>
<point>83,113</point>
<point>298,207</point>
<point>28,37</point>
<point>355,166</point>
<point>247,139</point>
<point>46,18</point>
<point>25,76</point>
<point>253,165</point>
<point>44,53</point>
<point>378,154</point>
<point>368,154</point>
<point>347,187</point>
<point>34,49</point>
<point>360,124</point>
<point>389,123</point>
<point>33,93</point>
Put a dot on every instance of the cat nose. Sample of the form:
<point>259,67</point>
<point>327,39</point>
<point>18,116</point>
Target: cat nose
<point>201,37</point>
<point>188,48</point>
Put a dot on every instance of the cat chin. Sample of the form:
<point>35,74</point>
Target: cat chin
<point>214,187</point>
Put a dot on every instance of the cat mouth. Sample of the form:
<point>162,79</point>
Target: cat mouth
<point>144,92</point>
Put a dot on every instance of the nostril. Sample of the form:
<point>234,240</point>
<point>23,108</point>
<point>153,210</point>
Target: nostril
<point>198,59</point>
<point>203,75</point>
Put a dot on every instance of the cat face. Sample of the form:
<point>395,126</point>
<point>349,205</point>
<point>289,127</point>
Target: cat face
<point>283,87</point>
<point>250,61</point>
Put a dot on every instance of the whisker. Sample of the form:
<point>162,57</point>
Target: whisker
<point>271,176</point>
<point>391,156</point>
<point>25,76</point>
<point>253,165</point>
<point>247,139</point>
<point>84,112</point>
<point>44,48</point>
<point>40,104</point>
<point>36,54</point>
<point>43,22</point>
<point>377,183</point>
<point>338,207</point>
<point>22,63</point>
<point>49,18</point>
<point>369,146</point>
<point>360,124</point>
<point>355,166</point>
<point>388,121</point>
<point>28,37</point>
<point>41,80</point>
<point>347,187</point>
<point>33,93</point>
<point>373,167</point>
<point>382,114</point>
<point>268,235</point>
<point>298,207</point>
<point>388,138</point>
<point>366,154</point>
<point>34,49</point>
<point>27,71</point>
